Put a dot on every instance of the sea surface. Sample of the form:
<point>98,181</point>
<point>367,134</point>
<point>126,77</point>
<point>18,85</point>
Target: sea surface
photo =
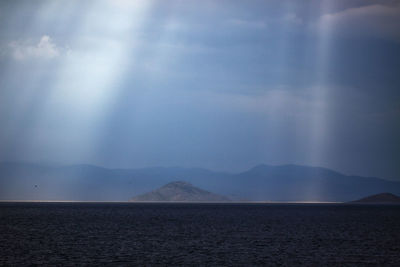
<point>126,234</point>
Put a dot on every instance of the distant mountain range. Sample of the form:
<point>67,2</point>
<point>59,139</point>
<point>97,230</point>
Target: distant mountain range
<point>180,191</point>
<point>20,181</point>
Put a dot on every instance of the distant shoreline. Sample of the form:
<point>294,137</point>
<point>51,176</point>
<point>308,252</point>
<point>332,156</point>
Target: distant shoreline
<point>175,202</point>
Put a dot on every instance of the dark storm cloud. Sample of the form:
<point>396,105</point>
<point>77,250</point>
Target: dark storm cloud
<point>218,84</point>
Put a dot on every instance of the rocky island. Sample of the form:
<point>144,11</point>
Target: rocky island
<point>179,191</point>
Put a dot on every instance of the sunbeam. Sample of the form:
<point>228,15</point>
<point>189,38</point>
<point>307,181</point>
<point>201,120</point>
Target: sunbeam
<point>320,91</point>
<point>91,67</point>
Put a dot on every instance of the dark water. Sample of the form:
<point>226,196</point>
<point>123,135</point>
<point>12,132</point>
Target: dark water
<point>198,234</point>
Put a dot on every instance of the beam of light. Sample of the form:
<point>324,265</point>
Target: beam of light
<point>87,80</point>
<point>66,95</point>
<point>319,128</point>
<point>320,122</point>
<point>89,76</point>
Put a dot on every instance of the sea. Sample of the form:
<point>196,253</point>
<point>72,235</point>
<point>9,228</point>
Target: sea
<point>198,234</point>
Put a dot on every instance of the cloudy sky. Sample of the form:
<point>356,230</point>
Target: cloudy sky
<point>223,85</point>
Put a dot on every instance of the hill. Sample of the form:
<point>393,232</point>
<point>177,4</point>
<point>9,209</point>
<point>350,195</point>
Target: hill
<point>383,198</point>
<point>180,191</point>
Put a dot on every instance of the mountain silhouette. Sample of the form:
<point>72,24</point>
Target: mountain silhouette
<point>383,198</point>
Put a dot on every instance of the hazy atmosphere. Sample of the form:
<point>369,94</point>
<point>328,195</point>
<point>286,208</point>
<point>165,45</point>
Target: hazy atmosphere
<point>222,85</point>
<point>200,132</point>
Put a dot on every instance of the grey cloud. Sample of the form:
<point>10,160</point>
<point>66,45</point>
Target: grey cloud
<point>376,20</point>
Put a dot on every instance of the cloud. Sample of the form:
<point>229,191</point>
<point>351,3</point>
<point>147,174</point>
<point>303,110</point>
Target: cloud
<point>373,20</point>
<point>45,49</point>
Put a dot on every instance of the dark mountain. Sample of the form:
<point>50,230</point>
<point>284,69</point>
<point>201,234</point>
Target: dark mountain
<point>180,191</point>
<point>19,181</point>
<point>383,198</point>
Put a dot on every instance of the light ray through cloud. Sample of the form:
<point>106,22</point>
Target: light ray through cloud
<point>320,124</point>
<point>90,79</point>
<point>320,121</point>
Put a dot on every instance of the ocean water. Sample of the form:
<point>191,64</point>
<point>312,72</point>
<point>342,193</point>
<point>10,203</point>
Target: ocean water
<point>123,234</point>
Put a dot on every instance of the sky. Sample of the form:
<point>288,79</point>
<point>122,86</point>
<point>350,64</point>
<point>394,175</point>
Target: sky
<point>223,85</point>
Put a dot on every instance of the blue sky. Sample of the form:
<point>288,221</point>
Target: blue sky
<point>223,85</point>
